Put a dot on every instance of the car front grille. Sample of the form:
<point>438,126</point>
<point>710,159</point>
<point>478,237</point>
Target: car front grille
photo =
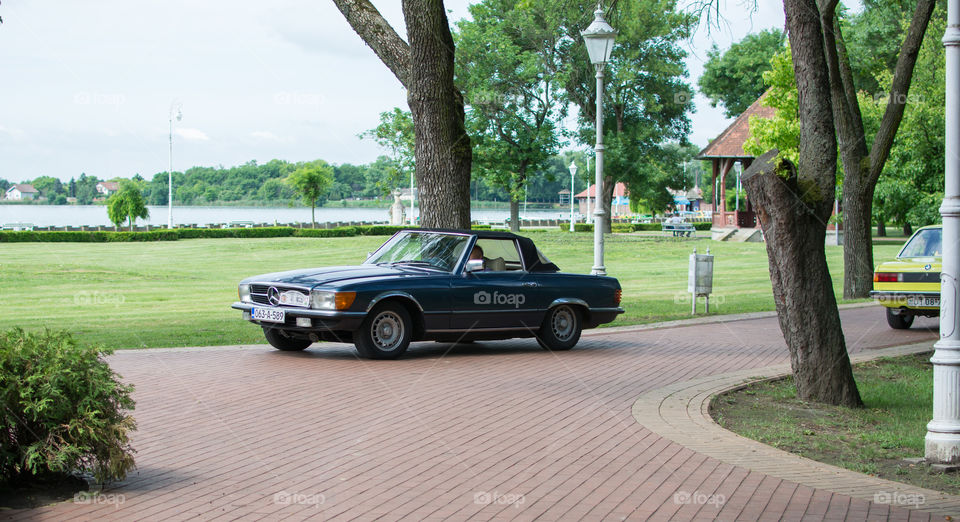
<point>258,293</point>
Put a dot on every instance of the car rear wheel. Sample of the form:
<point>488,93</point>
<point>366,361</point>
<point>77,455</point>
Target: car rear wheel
<point>899,321</point>
<point>561,328</point>
<point>278,340</point>
<point>385,333</point>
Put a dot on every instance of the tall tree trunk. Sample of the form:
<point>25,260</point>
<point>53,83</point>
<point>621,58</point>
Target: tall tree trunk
<point>793,210</point>
<point>425,67</point>
<point>862,168</point>
<point>313,219</point>
<point>443,152</point>
<point>607,200</point>
<point>907,229</point>
<point>514,214</point>
<point>802,287</point>
<point>881,227</point>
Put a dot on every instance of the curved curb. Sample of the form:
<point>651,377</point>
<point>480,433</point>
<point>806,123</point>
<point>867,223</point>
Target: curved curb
<point>680,412</point>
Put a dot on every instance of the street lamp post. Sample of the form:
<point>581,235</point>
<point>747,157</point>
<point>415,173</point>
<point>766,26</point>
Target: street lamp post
<point>174,108</point>
<point>588,219</point>
<point>942,443</point>
<point>599,37</point>
<point>573,175</point>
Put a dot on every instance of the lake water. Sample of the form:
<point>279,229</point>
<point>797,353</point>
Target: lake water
<point>96,215</point>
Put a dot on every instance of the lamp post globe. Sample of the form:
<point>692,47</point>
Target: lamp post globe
<point>598,38</point>
<point>573,175</point>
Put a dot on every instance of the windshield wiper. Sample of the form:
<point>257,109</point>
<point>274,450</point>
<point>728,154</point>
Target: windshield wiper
<point>415,263</point>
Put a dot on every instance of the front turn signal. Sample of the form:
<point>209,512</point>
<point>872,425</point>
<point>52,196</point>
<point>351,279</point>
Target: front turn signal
<point>344,300</point>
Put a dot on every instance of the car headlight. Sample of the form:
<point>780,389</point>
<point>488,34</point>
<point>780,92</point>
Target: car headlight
<point>327,300</point>
<point>244,291</point>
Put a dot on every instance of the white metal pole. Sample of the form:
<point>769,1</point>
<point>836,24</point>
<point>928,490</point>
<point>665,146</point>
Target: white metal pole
<point>598,268</point>
<point>572,174</point>
<point>589,219</point>
<point>942,444</point>
<point>170,177</point>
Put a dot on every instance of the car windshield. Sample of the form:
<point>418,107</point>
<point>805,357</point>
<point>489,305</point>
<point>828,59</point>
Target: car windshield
<point>423,249</point>
<point>925,243</point>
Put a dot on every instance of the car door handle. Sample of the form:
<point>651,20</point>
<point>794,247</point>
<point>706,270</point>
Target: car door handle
<point>530,284</point>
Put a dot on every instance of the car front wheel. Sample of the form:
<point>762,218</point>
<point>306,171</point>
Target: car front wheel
<point>281,342</point>
<point>561,328</point>
<point>385,333</point>
<point>899,321</point>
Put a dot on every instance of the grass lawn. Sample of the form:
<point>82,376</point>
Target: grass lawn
<point>873,440</point>
<point>178,293</point>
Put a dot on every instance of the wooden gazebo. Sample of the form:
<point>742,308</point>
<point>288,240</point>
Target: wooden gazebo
<point>723,152</point>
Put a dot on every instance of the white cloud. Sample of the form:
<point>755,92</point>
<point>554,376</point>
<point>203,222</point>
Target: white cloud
<point>192,134</point>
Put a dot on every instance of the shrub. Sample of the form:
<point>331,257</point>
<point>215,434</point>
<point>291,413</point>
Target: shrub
<point>577,227</point>
<point>64,409</point>
<point>380,230</point>
<point>326,232</point>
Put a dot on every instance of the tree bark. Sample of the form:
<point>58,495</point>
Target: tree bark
<point>607,200</point>
<point>861,167</point>
<point>443,151</point>
<point>425,67</point>
<point>793,207</point>
<point>514,214</point>
<point>370,25</point>
<point>802,288</point>
<point>881,228</point>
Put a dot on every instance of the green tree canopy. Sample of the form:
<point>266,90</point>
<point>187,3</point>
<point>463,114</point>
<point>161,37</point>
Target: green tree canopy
<point>311,181</point>
<point>510,66</point>
<point>783,130</point>
<point>394,133</point>
<point>127,204</point>
<point>734,78</point>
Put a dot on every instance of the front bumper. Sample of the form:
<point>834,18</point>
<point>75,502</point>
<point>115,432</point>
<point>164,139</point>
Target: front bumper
<point>902,298</point>
<point>330,320</point>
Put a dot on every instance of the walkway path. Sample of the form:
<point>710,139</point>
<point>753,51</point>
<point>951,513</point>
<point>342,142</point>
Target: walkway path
<point>498,430</point>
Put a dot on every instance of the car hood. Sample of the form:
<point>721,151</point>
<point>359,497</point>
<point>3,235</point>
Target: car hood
<point>312,277</point>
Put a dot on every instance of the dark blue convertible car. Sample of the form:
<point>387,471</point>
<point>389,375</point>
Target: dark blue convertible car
<point>441,285</point>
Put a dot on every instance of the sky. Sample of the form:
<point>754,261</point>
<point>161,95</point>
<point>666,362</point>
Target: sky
<point>89,87</point>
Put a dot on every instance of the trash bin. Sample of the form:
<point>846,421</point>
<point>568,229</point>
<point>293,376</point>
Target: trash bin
<point>700,279</point>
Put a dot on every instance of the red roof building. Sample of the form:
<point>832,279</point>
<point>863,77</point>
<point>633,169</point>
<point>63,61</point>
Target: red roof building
<point>724,152</point>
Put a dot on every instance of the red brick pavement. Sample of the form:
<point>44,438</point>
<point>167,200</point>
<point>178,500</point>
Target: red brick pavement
<point>495,430</point>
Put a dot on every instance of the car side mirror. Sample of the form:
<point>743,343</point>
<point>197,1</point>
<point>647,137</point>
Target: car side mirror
<point>474,265</point>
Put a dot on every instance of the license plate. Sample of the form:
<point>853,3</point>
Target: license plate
<point>933,302</point>
<point>269,315</point>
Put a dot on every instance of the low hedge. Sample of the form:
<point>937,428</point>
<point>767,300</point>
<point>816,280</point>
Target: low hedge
<point>621,228</point>
<point>75,236</point>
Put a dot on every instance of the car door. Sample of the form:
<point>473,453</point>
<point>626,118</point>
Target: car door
<point>502,296</point>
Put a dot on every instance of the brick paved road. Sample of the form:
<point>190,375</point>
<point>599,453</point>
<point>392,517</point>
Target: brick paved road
<point>498,430</point>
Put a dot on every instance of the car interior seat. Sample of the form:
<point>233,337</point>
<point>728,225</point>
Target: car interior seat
<point>496,264</point>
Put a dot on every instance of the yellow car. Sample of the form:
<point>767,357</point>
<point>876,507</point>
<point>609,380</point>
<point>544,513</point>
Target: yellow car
<point>910,286</point>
